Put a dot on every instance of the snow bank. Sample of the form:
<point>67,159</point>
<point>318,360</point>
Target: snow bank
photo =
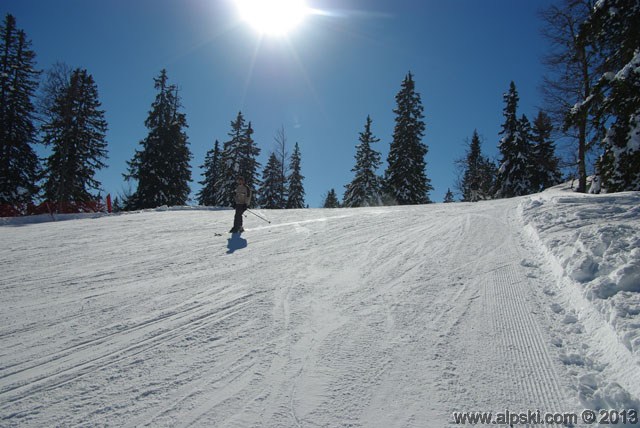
<point>593,242</point>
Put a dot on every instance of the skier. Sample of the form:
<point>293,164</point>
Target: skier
<point>242,200</point>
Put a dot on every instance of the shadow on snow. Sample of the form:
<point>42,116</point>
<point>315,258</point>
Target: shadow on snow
<point>236,242</point>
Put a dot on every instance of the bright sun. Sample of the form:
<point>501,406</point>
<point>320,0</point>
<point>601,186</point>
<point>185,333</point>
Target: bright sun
<point>273,17</point>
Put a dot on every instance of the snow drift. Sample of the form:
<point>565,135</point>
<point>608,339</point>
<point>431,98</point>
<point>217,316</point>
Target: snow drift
<point>593,242</point>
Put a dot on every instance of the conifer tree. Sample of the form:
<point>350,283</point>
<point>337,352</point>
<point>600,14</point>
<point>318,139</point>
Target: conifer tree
<point>75,129</point>
<point>212,168</point>
<point>270,194</point>
<point>331,200</point>
<point>281,152</point>
<point>19,165</point>
<point>613,29</point>
<point>294,182</point>
<point>448,198</point>
<point>545,164</point>
<point>161,167</point>
<point>238,159</point>
<point>366,187</point>
<point>514,174</point>
<point>572,74</point>
<point>249,164</point>
<point>405,178</point>
<point>478,173</point>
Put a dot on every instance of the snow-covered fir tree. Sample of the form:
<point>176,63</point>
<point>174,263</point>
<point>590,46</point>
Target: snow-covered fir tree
<point>614,30</point>
<point>406,181</point>
<point>161,167</point>
<point>19,165</point>
<point>270,194</point>
<point>207,195</point>
<point>331,200</point>
<point>545,170</point>
<point>478,173</point>
<point>366,187</point>
<point>295,188</point>
<point>75,129</point>
<point>448,197</point>
<point>514,174</point>
<point>238,159</point>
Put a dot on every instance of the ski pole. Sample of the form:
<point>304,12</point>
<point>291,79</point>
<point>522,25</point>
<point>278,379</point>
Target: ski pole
<point>259,216</point>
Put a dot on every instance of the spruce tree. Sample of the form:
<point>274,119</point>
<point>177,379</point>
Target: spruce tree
<point>249,164</point>
<point>19,165</point>
<point>161,167</point>
<point>405,178</point>
<point>281,152</point>
<point>295,188</point>
<point>366,187</point>
<point>613,29</point>
<point>545,164</point>
<point>478,174</point>
<point>238,159</point>
<point>212,168</point>
<point>331,200</point>
<point>270,194</point>
<point>75,129</point>
<point>514,174</point>
<point>448,198</point>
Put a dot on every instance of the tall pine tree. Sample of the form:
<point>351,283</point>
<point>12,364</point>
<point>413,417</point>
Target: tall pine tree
<point>613,29</point>
<point>331,200</point>
<point>478,173</point>
<point>366,187</point>
<point>270,194</point>
<point>448,197</point>
<point>19,165</point>
<point>75,129</point>
<point>406,181</point>
<point>212,168</point>
<point>295,188</point>
<point>281,152</point>
<point>514,174</point>
<point>545,164</point>
<point>161,167</point>
<point>238,159</point>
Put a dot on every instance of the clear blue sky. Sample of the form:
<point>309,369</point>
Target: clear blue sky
<point>320,82</point>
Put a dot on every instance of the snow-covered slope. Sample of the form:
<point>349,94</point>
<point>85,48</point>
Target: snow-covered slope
<point>376,317</point>
<point>592,243</point>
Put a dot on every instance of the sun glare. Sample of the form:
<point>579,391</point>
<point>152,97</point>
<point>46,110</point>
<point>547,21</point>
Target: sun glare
<point>273,17</point>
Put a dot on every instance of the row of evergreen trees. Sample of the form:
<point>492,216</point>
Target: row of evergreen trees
<point>72,125</point>
<point>405,181</point>
<point>161,167</point>
<point>238,157</point>
<point>592,96</point>
<point>592,93</point>
<point>528,164</point>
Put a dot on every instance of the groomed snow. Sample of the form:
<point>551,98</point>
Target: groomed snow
<point>373,317</point>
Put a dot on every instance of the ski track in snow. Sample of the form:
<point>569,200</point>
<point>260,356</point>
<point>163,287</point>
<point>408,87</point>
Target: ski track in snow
<point>374,317</point>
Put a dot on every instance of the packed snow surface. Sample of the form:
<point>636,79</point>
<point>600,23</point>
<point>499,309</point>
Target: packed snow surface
<point>371,317</point>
